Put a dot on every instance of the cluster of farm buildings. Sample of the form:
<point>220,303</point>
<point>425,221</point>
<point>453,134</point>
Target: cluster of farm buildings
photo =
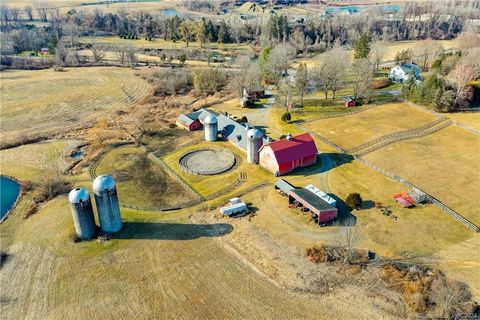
<point>279,157</point>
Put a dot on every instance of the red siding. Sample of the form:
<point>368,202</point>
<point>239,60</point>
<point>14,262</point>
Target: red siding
<point>326,216</point>
<point>290,166</point>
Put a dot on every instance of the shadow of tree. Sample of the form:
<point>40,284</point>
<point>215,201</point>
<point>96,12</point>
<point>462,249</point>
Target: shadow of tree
<point>344,216</point>
<point>171,231</point>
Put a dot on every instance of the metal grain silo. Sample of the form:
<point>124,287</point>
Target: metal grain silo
<point>108,208</point>
<point>254,143</point>
<point>211,128</point>
<point>82,213</point>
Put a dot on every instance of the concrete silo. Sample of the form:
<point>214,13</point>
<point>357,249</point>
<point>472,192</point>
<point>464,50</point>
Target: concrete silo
<point>254,143</point>
<point>108,207</point>
<point>211,128</point>
<point>82,213</point>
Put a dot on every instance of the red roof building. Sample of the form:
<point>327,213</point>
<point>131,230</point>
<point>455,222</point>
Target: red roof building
<point>283,156</point>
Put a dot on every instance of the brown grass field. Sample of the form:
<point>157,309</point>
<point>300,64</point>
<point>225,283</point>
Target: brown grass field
<point>469,119</point>
<point>351,130</point>
<point>45,100</point>
<point>445,164</point>
<point>141,181</point>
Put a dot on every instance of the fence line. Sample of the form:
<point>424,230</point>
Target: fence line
<point>407,136</point>
<point>399,134</point>
<point>402,181</point>
<point>356,110</point>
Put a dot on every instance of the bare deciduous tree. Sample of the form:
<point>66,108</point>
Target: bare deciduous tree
<point>348,237</point>
<point>460,78</point>
<point>41,7</point>
<point>278,61</point>
<point>425,51</point>
<point>362,77</point>
<point>249,77</point>
<point>301,81</point>
<point>125,55</point>
<point>331,74</point>
<point>29,12</point>
<point>99,51</point>
<point>286,92</point>
<point>377,53</point>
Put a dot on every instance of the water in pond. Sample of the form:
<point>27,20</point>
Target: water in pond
<point>77,154</point>
<point>170,12</point>
<point>356,9</point>
<point>9,191</point>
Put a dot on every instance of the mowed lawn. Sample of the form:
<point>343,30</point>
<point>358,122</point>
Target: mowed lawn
<point>46,100</point>
<point>352,130</point>
<point>141,182</point>
<point>445,164</point>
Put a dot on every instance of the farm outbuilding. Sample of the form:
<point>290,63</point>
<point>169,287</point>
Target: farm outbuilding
<point>349,102</point>
<point>187,123</point>
<point>285,155</point>
<point>283,186</point>
<point>322,211</point>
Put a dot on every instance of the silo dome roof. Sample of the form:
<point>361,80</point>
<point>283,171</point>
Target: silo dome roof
<point>210,119</point>
<point>254,133</point>
<point>78,195</point>
<point>102,183</point>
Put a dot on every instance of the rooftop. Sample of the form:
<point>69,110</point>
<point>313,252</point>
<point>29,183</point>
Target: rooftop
<point>311,198</point>
<point>299,146</point>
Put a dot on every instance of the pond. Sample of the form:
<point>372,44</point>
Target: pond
<point>77,154</point>
<point>170,12</point>
<point>356,9</point>
<point>9,191</point>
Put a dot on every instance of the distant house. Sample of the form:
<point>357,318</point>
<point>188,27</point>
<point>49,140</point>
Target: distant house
<point>402,72</point>
<point>285,155</point>
<point>44,51</point>
<point>349,102</point>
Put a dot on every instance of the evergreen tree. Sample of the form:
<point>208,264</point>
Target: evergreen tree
<point>362,47</point>
<point>223,33</point>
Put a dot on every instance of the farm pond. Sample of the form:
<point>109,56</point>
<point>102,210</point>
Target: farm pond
<point>9,191</point>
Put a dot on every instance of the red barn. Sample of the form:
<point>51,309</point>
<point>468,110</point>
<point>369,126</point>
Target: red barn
<point>188,123</point>
<point>283,156</point>
<point>349,102</point>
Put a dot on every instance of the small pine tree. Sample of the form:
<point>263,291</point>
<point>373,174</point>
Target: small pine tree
<point>362,47</point>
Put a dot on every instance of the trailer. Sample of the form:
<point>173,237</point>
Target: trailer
<point>234,209</point>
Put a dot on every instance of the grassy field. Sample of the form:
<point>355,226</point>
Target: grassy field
<point>445,164</point>
<point>141,181</point>
<point>161,264</point>
<point>45,100</point>
<point>32,161</point>
<point>469,119</point>
<point>207,185</point>
<point>355,129</point>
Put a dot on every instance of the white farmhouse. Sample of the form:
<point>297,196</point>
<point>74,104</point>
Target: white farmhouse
<point>402,72</point>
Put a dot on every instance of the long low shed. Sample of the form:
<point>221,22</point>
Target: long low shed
<point>324,211</point>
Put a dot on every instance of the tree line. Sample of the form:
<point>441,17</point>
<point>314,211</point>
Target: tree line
<point>416,20</point>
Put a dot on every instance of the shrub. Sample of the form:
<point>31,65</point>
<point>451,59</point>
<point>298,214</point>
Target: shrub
<point>32,208</point>
<point>286,117</point>
<point>172,81</point>
<point>52,186</point>
<point>354,200</point>
<point>208,80</point>
<point>26,186</point>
